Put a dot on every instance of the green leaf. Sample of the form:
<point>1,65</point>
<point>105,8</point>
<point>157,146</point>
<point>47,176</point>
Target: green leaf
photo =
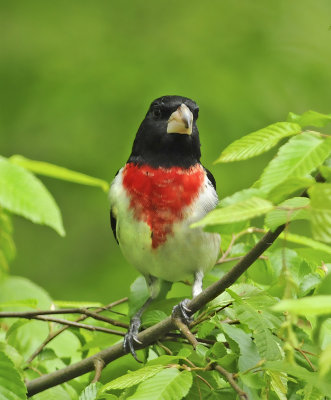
<point>300,373</point>
<point>242,195</point>
<point>153,317</point>
<point>90,392</point>
<point>23,194</point>
<point>324,361</point>
<point>166,359</point>
<point>12,353</point>
<point>7,245</point>
<point>289,186</point>
<point>54,393</point>
<point>295,159</point>
<point>320,195</point>
<point>258,142</point>
<point>326,172</point>
<point>241,211</point>
<point>312,305</point>
<point>310,392</point>
<point>289,210</point>
<point>169,384</point>
<point>249,356</point>
<point>261,272</point>
<point>305,241</point>
<point>28,336</point>
<point>54,171</point>
<point>133,378</point>
<point>252,312</point>
<point>139,293</point>
<point>309,118</point>
<point>325,286</point>
<point>31,303</point>
<point>11,383</point>
<point>278,383</point>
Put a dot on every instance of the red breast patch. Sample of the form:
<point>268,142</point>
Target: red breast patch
<point>159,195</point>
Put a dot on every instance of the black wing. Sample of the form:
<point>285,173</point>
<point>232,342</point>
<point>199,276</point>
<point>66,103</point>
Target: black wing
<point>113,224</point>
<point>210,177</point>
<point>113,219</point>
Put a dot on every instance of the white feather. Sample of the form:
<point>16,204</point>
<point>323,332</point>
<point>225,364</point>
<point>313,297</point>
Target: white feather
<point>186,250</point>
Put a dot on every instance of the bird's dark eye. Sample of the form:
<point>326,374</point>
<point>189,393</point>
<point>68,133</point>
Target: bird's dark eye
<point>156,112</point>
<point>196,113</point>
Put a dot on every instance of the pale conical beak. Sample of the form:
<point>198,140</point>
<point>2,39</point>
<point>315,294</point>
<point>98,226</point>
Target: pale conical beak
<point>181,121</point>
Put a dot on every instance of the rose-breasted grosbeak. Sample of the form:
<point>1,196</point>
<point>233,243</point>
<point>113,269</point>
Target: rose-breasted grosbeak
<point>157,195</point>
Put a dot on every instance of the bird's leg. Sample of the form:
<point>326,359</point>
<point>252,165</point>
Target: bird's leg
<point>132,333</point>
<point>181,310</point>
<point>197,284</point>
<point>131,336</point>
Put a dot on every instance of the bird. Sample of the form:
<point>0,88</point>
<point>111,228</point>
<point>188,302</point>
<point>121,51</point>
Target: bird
<point>161,190</point>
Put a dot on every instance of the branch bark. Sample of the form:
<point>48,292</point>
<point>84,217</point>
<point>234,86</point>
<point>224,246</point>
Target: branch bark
<point>154,333</point>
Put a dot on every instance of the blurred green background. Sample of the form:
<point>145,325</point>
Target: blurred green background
<point>77,77</point>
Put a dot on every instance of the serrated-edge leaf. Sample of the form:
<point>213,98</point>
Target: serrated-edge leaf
<point>320,195</point>
<point>23,194</point>
<point>266,344</point>
<point>278,383</point>
<point>305,241</point>
<point>301,373</point>
<point>312,305</point>
<point>309,118</point>
<point>55,171</point>
<point>11,384</point>
<point>289,186</point>
<point>242,195</point>
<point>297,158</point>
<point>133,378</point>
<point>289,210</point>
<point>169,384</point>
<point>258,142</point>
<point>241,211</point>
<point>90,392</point>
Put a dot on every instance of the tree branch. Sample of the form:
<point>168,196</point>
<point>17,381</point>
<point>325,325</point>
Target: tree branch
<point>53,335</point>
<point>229,377</point>
<point>152,334</point>
<point>85,313</point>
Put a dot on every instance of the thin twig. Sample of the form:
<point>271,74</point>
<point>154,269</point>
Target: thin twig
<point>229,377</point>
<point>53,335</point>
<point>99,365</point>
<point>306,358</point>
<point>234,238</point>
<point>205,381</point>
<point>165,348</point>
<point>76,324</point>
<point>186,331</point>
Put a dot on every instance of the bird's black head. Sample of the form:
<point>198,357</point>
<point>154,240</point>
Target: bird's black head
<point>168,136</point>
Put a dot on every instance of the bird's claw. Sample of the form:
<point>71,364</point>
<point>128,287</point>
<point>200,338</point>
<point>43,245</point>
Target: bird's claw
<point>130,338</point>
<point>183,312</point>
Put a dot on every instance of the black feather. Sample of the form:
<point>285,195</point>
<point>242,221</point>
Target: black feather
<point>113,224</point>
<point>211,178</point>
<point>113,219</point>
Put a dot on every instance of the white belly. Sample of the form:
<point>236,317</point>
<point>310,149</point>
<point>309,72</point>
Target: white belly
<point>185,251</point>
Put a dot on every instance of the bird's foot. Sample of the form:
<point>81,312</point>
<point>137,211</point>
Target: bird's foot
<point>182,312</point>
<point>131,338</point>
